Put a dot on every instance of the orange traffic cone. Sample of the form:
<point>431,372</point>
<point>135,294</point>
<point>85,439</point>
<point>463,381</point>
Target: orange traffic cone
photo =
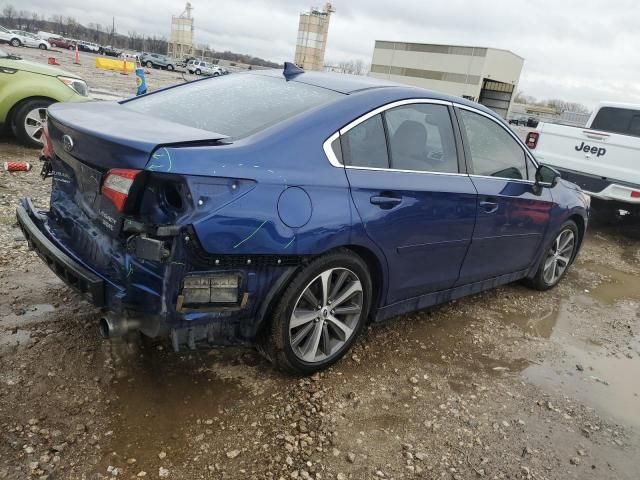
<point>124,67</point>
<point>77,61</point>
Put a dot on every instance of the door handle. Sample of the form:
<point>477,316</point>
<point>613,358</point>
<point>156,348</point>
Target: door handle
<point>489,207</point>
<point>385,201</point>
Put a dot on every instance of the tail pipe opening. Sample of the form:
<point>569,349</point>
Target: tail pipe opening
<point>111,326</point>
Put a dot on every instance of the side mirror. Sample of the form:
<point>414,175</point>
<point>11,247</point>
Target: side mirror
<point>547,176</point>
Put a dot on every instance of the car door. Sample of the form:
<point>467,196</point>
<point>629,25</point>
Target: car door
<point>512,214</point>
<point>403,166</point>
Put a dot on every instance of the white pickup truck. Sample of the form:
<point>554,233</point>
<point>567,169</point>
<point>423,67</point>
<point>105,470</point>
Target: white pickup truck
<point>603,158</point>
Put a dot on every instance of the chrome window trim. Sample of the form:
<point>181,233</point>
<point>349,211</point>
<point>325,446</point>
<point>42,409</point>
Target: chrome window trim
<point>398,170</point>
<point>388,106</point>
<point>328,151</point>
<point>334,161</point>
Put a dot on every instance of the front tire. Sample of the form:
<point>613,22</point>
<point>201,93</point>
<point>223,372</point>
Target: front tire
<point>170,68</point>
<point>198,71</point>
<point>15,42</point>
<point>320,314</point>
<point>149,65</point>
<point>558,257</point>
<point>29,122</point>
<point>42,46</point>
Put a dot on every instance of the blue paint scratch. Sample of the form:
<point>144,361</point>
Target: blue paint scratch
<point>157,156</point>
<point>254,232</point>
<point>290,242</point>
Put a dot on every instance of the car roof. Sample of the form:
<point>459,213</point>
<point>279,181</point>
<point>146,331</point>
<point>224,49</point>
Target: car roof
<point>352,84</point>
<point>332,81</point>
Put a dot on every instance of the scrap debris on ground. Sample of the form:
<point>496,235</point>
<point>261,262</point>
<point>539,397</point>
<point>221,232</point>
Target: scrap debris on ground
<point>510,383</point>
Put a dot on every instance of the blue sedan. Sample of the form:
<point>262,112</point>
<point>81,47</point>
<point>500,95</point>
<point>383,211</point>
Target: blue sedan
<point>288,209</point>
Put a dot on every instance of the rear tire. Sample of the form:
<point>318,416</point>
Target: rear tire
<point>15,42</point>
<point>316,336</point>
<point>558,257</point>
<point>170,68</point>
<point>29,122</point>
<point>198,71</point>
<point>42,46</point>
<point>71,47</point>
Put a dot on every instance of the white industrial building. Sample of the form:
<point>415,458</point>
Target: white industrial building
<point>486,75</point>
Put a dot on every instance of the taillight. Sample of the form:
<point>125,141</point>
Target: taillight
<point>117,185</point>
<point>532,139</point>
<point>635,194</point>
<point>47,147</point>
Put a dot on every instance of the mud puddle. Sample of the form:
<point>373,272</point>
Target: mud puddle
<point>616,285</point>
<point>603,379</point>
<point>161,398</point>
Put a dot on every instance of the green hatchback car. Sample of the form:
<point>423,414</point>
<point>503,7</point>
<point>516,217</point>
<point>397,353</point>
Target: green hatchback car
<point>27,89</point>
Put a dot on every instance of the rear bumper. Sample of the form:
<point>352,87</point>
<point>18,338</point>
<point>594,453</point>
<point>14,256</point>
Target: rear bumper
<point>154,305</point>
<point>601,187</point>
<point>66,268</point>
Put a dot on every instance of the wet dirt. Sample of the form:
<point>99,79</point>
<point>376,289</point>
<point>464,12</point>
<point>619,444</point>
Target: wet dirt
<point>510,383</point>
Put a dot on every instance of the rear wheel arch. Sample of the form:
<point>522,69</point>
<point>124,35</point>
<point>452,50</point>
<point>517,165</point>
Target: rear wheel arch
<point>366,255</point>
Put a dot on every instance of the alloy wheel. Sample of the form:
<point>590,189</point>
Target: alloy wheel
<point>34,123</point>
<point>326,315</point>
<point>559,256</point>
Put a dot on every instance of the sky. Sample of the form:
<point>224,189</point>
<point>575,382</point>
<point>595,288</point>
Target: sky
<point>583,51</point>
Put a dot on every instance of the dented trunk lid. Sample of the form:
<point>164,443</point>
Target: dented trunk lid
<point>92,138</point>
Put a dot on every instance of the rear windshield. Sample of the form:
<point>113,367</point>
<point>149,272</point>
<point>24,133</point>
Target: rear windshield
<point>617,120</point>
<point>234,105</point>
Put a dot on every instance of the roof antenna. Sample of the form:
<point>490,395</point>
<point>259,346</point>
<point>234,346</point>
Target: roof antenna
<point>291,70</point>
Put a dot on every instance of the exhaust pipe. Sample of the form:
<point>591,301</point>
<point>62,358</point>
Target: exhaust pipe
<point>112,326</point>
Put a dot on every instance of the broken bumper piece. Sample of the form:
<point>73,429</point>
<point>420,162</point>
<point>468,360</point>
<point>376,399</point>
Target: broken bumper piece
<point>69,270</point>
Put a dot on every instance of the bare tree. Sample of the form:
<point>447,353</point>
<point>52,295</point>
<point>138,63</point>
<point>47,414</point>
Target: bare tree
<point>353,67</point>
<point>9,14</point>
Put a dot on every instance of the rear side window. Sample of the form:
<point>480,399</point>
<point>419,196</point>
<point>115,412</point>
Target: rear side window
<point>617,120</point>
<point>234,105</point>
<point>494,153</point>
<point>421,138</point>
<point>365,145</point>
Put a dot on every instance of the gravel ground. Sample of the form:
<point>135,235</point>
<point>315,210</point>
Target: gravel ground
<point>511,384</point>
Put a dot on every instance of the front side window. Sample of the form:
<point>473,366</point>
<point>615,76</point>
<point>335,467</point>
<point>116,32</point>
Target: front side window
<point>421,138</point>
<point>494,153</point>
<point>365,145</point>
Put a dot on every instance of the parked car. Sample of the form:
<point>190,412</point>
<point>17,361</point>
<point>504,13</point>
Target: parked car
<point>602,157</point>
<point>62,43</point>
<point>110,51</point>
<point>88,46</point>
<point>519,121</point>
<point>289,209</point>
<point>31,40</point>
<point>129,56</point>
<point>28,89</point>
<point>156,60</point>
<point>200,67</point>
<point>11,38</point>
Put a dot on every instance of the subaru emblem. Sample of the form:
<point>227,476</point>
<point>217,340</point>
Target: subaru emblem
<point>67,143</point>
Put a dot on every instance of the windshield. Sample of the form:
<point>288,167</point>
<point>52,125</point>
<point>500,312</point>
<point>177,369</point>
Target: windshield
<point>235,105</point>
